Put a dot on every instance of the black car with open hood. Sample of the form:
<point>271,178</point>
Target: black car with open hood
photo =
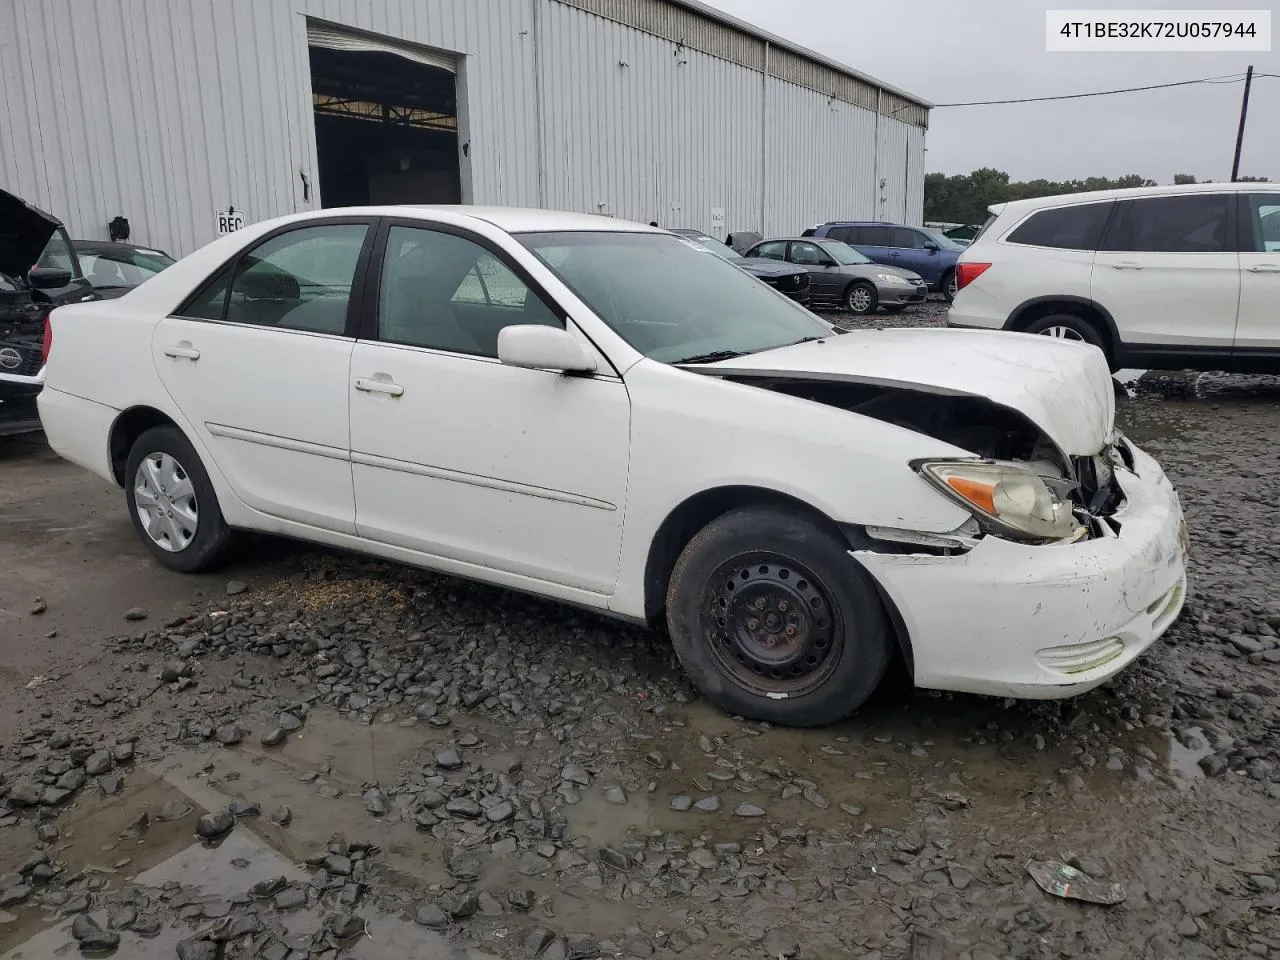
<point>783,277</point>
<point>39,270</point>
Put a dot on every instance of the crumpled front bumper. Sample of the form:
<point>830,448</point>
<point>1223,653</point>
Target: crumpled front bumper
<point>1047,621</point>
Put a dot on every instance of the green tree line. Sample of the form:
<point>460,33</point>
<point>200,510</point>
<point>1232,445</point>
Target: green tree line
<point>964,198</point>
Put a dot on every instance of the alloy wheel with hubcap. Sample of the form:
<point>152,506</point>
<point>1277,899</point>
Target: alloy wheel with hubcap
<point>951,287</point>
<point>1062,333</point>
<point>165,499</point>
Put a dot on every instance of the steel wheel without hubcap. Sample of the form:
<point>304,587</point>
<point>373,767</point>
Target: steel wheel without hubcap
<point>165,499</point>
<point>951,288</point>
<point>1062,333</point>
<point>771,628</point>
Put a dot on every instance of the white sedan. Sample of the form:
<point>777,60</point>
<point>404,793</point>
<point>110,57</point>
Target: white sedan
<point>606,414</point>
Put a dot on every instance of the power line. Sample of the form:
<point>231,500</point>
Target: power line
<point>1226,78</point>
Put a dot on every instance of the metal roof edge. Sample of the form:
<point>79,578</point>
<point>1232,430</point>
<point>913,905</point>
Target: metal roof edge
<point>715,13</point>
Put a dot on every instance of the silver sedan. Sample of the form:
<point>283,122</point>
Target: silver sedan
<point>841,277</point>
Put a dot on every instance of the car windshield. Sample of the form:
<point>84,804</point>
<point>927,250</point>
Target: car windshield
<point>109,267</point>
<point>670,298</point>
<point>943,242</point>
<point>714,245</point>
<point>843,252</point>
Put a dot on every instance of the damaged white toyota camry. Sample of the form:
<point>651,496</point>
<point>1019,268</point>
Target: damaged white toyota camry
<point>605,414</point>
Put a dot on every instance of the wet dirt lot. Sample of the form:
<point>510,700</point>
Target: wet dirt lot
<point>427,768</point>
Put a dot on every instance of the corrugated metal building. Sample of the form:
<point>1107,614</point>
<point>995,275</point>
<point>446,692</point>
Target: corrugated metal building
<point>167,112</point>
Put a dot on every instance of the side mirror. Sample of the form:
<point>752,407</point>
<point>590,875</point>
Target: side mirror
<point>48,278</point>
<point>538,347</point>
<point>931,246</point>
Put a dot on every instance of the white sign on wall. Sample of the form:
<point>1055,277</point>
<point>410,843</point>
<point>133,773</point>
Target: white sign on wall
<point>717,216</point>
<point>229,220</point>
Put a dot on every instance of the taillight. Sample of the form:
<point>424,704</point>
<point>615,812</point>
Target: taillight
<point>966,273</point>
<point>47,345</point>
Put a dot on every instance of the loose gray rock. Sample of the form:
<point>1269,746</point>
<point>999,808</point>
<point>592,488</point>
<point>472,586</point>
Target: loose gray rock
<point>1213,766</point>
<point>235,588</point>
<point>615,794</point>
<point>91,937</point>
<point>72,780</point>
<point>681,803</point>
<point>500,812</point>
<point>123,752</point>
<point>173,810</point>
<point>290,898</point>
<point>214,825</point>
<point>197,950</point>
<point>708,804</point>
<point>573,773</point>
<point>136,613</point>
<point>111,784</point>
<point>15,895</point>
<point>448,760</point>
<point>522,900</point>
<point>244,808</point>
<point>282,816</point>
<point>25,794</point>
<point>465,906</point>
<point>274,738</point>
<point>780,943</point>
<point>430,916</point>
<point>375,802</point>
<point>289,722</point>
<point>748,810</point>
<point>346,927</point>
<point>338,865</point>
<point>537,940</point>
<point>38,606</point>
<point>229,735</point>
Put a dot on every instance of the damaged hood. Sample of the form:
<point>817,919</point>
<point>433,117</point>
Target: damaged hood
<point>24,231</point>
<point>1063,387</point>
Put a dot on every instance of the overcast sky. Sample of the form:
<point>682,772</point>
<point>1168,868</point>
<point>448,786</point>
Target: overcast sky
<point>946,51</point>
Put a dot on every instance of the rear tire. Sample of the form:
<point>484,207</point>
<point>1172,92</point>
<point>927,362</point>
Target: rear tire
<point>1068,326</point>
<point>773,620</point>
<point>949,286</point>
<point>861,297</point>
<point>165,483</point>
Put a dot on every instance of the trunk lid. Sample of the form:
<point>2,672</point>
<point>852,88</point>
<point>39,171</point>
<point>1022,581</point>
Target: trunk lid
<point>1063,387</point>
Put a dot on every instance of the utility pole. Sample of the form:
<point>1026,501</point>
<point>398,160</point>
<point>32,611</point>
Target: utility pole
<point>1244,110</point>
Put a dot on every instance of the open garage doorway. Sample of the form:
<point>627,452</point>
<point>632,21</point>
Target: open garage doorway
<point>386,118</point>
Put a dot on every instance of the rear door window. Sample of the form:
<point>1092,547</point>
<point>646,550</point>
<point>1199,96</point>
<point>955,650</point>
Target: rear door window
<point>906,239</point>
<point>1262,228</point>
<point>841,233</point>
<point>1077,227</point>
<point>776,250</point>
<point>872,236</point>
<point>1192,223</point>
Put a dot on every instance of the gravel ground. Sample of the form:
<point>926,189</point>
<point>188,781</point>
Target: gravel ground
<point>531,781</point>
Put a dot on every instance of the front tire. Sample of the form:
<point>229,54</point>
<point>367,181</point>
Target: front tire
<point>774,621</point>
<point>172,502</point>
<point>861,297</point>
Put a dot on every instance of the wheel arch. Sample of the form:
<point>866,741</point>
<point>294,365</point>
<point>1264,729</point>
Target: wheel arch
<point>1031,310</point>
<point>128,427</point>
<point>698,510</point>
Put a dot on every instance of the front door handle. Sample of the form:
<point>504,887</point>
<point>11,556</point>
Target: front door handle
<point>182,351</point>
<point>1128,265</point>
<point>1265,268</point>
<point>369,385</point>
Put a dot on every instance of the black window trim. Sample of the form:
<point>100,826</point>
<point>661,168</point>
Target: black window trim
<point>1231,233</point>
<point>367,331</point>
<point>359,279</point>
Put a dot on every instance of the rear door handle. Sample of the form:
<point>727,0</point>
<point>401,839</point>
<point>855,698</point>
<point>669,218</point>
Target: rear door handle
<point>1265,268</point>
<point>1126,266</point>
<point>182,351</point>
<point>368,385</point>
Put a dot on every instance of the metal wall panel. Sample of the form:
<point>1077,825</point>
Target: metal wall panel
<point>821,159</point>
<point>641,128</point>
<point>165,111</point>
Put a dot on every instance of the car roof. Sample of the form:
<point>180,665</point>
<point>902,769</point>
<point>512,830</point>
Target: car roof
<point>526,219</point>
<point>114,245</point>
<point>797,240</point>
<point>868,223</point>
<point>1129,193</point>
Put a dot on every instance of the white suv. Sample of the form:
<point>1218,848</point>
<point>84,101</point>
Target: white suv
<point>1159,277</point>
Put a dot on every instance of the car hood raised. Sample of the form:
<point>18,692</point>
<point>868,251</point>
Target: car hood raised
<point>1065,388</point>
<point>24,231</point>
